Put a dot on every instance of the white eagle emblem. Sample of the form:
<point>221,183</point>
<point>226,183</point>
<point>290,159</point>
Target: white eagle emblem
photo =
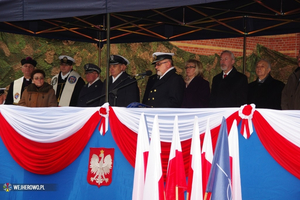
<point>100,168</point>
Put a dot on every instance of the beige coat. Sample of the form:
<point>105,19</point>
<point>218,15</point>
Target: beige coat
<point>38,97</point>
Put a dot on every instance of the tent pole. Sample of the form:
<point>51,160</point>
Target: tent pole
<point>244,54</point>
<point>245,44</point>
<point>108,53</point>
<point>99,50</point>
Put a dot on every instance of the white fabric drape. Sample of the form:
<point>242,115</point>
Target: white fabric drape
<point>49,124</point>
<point>130,117</point>
<point>53,124</point>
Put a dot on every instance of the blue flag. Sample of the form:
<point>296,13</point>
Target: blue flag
<point>219,182</point>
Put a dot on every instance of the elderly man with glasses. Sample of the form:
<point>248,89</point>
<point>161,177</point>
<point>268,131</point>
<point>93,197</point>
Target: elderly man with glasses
<point>166,88</point>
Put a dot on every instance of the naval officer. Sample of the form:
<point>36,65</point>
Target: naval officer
<point>122,88</point>
<point>166,88</point>
<point>93,88</point>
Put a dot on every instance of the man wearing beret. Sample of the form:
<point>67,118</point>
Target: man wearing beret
<point>166,88</point>
<point>16,88</point>
<point>92,89</point>
<point>68,83</point>
<point>122,88</point>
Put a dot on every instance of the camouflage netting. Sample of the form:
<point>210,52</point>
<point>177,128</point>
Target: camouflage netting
<point>46,51</point>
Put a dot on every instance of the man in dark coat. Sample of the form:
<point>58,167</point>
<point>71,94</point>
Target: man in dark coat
<point>122,87</point>
<point>229,88</point>
<point>166,88</point>
<point>92,89</point>
<point>17,87</point>
<point>265,92</point>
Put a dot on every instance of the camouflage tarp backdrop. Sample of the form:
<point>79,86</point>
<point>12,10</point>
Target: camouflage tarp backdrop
<point>14,47</point>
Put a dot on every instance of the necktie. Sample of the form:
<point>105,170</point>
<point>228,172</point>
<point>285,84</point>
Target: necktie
<point>225,75</point>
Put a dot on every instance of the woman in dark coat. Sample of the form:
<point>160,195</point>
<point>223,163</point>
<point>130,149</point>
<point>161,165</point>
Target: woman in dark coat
<point>196,94</point>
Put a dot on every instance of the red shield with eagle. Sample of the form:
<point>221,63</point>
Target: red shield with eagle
<point>100,166</point>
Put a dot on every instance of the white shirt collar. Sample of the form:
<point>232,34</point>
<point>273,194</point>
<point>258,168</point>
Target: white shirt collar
<point>114,79</point>
<point>227,72</point>
<point>64,76</point>
<point>93,82</point>
<point>166,72</point>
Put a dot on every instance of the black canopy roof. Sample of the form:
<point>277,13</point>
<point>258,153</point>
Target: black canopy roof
<point>146,21</point>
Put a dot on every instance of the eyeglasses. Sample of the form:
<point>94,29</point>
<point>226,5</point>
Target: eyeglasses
<point>190,67</point>
<point>37,78</point>
<point>159,64</point>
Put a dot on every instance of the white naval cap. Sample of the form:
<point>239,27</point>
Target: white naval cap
<point>117,59</point>
<point>66,59</point>
<point>158,56</point>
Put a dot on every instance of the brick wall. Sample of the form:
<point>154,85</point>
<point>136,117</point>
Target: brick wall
<point>288,44</point>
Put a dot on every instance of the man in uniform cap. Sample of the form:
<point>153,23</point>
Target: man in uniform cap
<point>17,87</point>
<point>119,93</point>
<point>68,83</point>
<point>93,88</point>
<point>166,88</point>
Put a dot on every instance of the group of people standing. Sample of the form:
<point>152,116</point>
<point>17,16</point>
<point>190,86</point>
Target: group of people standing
<point>166,88</point>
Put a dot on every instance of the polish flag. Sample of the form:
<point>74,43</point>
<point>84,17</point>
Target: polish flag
<point>233,141</point>
<point>176,179</point>
<point>195,191</point>
<point>206,156</point>
<point>141,158</point>
<point>154,182</point>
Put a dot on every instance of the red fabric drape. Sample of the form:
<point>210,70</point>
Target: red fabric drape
<point>126,140</point>
<point>283,151</point>
<point>46,158</point>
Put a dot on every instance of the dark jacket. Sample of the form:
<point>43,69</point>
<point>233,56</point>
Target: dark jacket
<point>10,96</point>
<point>89,93</point>
<point>165,92</point>
<point>290,99</point>
<point>196,95</point>
<point>125,95</point>
<point>266,94</point>
<point>38,97</point>
<point>230,91</point>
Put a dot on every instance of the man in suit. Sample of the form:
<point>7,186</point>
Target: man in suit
<point>17,87</point>
<point>67,83</point>
<point>122,88</point>
<point>229,88</point>
<point>92,89</point>
<point>265,91</point>
<point>166,88</point>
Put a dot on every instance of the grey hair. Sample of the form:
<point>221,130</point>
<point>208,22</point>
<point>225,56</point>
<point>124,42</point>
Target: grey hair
<point>227,51</point>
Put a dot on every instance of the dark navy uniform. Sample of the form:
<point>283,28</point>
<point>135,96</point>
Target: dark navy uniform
<point>124,96</point>
<point>124,90</point>
<point>90,93</point>
<point>165,92</point>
